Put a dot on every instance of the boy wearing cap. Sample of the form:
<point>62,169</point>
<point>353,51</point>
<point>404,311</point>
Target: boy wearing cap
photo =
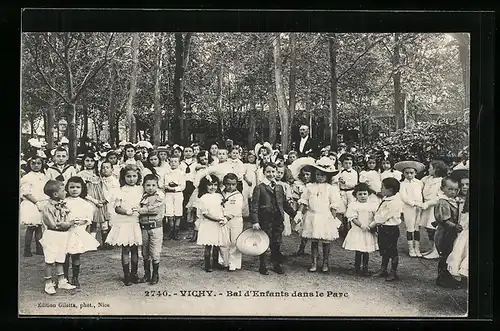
<point>267,210</point>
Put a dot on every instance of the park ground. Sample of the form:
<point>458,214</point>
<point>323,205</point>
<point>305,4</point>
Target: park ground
<point>103,293</point>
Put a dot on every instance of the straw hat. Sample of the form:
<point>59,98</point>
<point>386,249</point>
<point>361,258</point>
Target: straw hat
<point>162,149</point>
<point>300,163</point>
<point>325,164</point>
<point>252,242</point>
<point>401,166</point>
<point>258,146</point>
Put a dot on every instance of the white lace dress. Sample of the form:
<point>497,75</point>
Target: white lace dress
<point>126,230</point>
<point>458,260</point>
<point>32,183</point>
<point>358,239</point>
<point>79,240</point>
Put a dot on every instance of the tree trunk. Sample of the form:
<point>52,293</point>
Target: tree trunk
<point>220,118</point>
<point>396,77</point>
<point>464,53</point>
<point>280,95</point>
<point>73,141</point>
<point>181,60</point>
<point>157,77</point>
<point>113,134</point>
<point>334,116</point>
<point>130,124</point>
<point>49,131</point>
<point>271,116</point>
<point>293,74</point>
<point>85,114</point>
<point>308,99</point>
<point>251,120</point>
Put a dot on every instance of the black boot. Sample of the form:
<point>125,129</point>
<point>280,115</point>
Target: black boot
<point>365,271</point>
<point>394,266</point>
<point>133,273</point>
<point>357,263</point>
<point>208,266</point>
<point>28,237</point>
<point>171,234</point>
<point>126,275</point>
<point>156,276</point>
<point>66,267</point>
<point>147,272</point>
<point>176,233</point>
<point>215,257</point>
<point>104,236</point>
<point>262,267</point>
<point>39,249</point>
<point>76,272</point>
<point>194,238</point>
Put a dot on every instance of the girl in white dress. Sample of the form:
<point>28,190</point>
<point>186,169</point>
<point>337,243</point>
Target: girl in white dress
<point>280,179</point>
<point>126,231</point>
<point>212,231</point>
<point>431,192</point>
<point>249,181</point>
<point>32,202</point>
<point>79,240</point>
<point>201,171</point>
<point>458,260</point>
<point>129,157</point>
<point>153,165</point>
<point>112,158</point>
<point>371,176</point>
<point>111,189</point>
<point>386,170</point>
<point>298,187</point>
<point>320,224</point>
<point>214,151</point>
<point>360,239</point>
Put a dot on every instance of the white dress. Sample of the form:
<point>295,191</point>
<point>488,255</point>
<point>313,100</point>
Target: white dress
<point>126,230</point>
<point>286,218</point>
<point>391,174</point>
<point>32,183</point>
<point>372,178</point>
<point>251,174</point>
<point>319,223</point>
<point>430,192</point>
<point>210,232</point>
<point>79,240</point>
<point>111,189</point>
<point>357,239</point>
<point>458,260</point>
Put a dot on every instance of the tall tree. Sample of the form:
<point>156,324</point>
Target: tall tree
<point>333,118</point>
<point>156,98</point>
<point>280,95</point>
<point>66,46</point>
<point>463,40</point>
<point>396,77</point>
<point>182,43</point>
<point>131,122</point>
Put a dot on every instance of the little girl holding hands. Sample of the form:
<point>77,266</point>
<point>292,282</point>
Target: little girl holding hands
<point>79,240</point>
<point>111,188</point>
<point>360,238</point>
<point>126,231</point>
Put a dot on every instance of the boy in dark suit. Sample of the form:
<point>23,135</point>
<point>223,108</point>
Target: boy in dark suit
<point>267,210</point>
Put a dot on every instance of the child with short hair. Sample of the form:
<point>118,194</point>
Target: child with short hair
<point>126,231</point>
<point>201,171</point>
<point>298,187</point>
<point>61,170</point>
<point>446,213</point>
<point>111,190</point>
<point>33,201</point>
<point>371,176</point>
<point>81,214</point>
<point>411,195</point>
<point>281,179</point>
<point>347,179</point>
<point>174,183</point>
<point>237,167</point>
<point>359,238</point>
<point>151,211</point>
<point>232,204</point>
<point>249,181</point>
<point>386,221</point>
<point>55,238</point>
<point>188,167</point>
<point>268,207</point>
<point>387,170</point>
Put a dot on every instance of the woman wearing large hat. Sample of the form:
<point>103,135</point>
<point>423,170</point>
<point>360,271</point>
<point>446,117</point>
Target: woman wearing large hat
<point>411,195</point>
<point>320,224</point>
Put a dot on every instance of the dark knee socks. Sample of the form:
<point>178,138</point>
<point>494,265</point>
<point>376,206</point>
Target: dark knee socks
<point>357,260</point>
<point>416,235</point>
<point>365,256</point>
<point>409,235</point>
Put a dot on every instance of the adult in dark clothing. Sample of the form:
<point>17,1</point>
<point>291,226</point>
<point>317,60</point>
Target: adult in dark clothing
<point>306,145</point>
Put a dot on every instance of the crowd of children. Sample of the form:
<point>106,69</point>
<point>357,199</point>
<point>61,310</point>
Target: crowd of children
<point>136,197</point>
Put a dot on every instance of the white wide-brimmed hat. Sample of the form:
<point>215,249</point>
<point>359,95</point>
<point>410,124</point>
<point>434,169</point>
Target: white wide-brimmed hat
<point>252,242</point>
<point>258,146</point>
<point>401,166</point>
<point>327,165</point>
<point>300,163</point>
<point>145,144</point>
<point>35,143</point>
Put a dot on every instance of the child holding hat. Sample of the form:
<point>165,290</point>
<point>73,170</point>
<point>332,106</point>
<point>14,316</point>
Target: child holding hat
<point>411,195</point>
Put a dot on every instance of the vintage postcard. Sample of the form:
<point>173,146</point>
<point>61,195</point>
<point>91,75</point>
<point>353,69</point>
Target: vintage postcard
<point>244,174</point>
